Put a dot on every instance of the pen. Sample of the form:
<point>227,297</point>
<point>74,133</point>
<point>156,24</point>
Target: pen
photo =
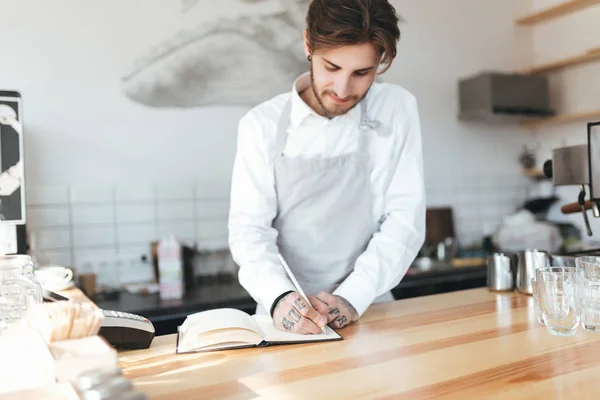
<point>295,282</point>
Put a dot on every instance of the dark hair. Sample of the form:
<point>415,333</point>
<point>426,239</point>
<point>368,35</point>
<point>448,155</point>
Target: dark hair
<point>336,23</point>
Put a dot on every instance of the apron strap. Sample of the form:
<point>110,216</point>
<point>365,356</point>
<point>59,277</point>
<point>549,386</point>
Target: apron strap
<point>282,127</point>
<point>364,128</point>
<point>281,138</point>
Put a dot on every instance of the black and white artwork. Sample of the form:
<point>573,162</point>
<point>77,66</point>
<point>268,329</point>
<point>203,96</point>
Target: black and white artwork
<point>232,60</point>
<point>12,199</point>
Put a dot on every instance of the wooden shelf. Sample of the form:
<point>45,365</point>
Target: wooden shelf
<point>589,56</point>
<point>534,173</point>
<point>557,11</point>
<point>559,119</point>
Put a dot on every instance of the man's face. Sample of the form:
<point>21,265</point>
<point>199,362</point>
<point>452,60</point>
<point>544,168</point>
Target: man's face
<point>342,77</point>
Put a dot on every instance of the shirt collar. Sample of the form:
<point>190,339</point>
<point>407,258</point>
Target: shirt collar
<point>301,110</point>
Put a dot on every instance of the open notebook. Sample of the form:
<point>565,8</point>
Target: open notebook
<point>227,328</point>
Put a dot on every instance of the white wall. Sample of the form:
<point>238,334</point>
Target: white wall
<point>574,89</point>
<point>443,42</point>
<point>67,57</point>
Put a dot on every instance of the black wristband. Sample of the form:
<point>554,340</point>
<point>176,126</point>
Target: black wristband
<point>281,296</point>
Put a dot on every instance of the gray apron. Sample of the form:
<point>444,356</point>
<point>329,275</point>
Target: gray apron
<point>325,216</point>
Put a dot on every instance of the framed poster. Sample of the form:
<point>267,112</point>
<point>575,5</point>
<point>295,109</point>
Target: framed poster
<point>593,136</point>
<point>12,176</point>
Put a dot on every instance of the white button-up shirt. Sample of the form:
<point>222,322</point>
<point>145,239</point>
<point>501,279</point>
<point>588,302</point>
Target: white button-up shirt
<point>397,181</point>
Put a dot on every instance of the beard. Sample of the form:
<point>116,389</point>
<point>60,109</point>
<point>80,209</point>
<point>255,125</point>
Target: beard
<point>335,109</point>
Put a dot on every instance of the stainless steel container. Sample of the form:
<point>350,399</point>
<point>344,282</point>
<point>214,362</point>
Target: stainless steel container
<point>500,273</point>
<point>527,262</point>
<point>562,261</point>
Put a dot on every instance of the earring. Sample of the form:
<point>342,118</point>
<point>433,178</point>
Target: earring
<point>309,58</point>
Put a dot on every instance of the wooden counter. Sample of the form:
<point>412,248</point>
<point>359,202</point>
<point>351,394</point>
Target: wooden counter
<point>463,345</point>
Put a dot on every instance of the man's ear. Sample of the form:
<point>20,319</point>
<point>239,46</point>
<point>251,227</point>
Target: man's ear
<point>306,44</point>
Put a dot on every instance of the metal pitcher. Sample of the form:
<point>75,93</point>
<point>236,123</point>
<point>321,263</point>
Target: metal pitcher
<point>500,273</point>
<point>527,262</point>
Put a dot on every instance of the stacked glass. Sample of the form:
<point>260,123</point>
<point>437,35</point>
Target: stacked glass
<point>588,270</point>
<point>566,297</point>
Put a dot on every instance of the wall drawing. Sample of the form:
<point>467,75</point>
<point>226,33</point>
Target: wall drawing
<point>238,61</point>
<point>12,173</point>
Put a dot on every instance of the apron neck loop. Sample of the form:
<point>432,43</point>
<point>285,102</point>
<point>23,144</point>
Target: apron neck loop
<point>282,127</point>
<point>365,123</point>
<point>364,127</point>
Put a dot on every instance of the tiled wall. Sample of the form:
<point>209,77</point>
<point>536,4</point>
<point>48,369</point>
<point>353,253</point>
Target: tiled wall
<point>107,228</point>
<point>479,202</point>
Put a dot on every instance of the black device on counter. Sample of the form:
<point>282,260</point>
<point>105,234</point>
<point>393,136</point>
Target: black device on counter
<point>51,297</point>
<point>126,331</point>
<point>120,329</point>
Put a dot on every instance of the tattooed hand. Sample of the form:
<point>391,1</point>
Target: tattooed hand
<point>339,311</point>
<point>293,314</point>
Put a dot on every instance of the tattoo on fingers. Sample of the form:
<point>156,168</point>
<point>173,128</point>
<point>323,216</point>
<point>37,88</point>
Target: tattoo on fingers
<point>341,321</point>
<point>287,324</point>
<point>334,311</point>
<point>323,301</point>
<point>294,315</point>
<point>300,304</point>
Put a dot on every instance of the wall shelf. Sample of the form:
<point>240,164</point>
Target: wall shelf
<point>559,119</point>
<point>557,11</point>
<point>533,173</point>
<point>589,56</point>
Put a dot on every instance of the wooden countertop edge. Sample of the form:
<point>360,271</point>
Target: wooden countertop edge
<point>374,312</point>
<point>426,342</point>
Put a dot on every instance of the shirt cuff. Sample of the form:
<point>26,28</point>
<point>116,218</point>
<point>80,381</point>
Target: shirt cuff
<point>272,288</point>
<point>358,292</point>
<point>281,296</point>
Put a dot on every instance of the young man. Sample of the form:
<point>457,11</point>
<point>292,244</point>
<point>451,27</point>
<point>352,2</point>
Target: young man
<point>330,176</point>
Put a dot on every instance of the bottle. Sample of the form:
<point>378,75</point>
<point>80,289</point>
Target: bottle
<point>170,268</point>
<point>487,243</point>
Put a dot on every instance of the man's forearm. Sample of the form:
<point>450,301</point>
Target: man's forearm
<point>254,250</point>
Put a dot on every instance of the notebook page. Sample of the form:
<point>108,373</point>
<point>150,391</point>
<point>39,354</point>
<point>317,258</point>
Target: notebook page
<point>222,318</point>
<point>271,334</point>
<point>217,340</point>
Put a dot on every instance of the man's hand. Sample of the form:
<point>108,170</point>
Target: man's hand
<point>293,314</point>
<point>338,310</point>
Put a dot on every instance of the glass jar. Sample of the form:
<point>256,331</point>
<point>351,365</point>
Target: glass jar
<point>27,266</point>
<point>19,288</point>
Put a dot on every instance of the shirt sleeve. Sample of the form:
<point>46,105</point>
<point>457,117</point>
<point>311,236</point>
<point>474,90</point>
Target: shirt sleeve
<point>253,206</point>
<point>395,245</point>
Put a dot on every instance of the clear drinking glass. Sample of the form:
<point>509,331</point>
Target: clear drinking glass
<point>559,300</point>
<point>19,289</point>
<point>588,270</point>
<point>536,301</point>
<point>27,267</point>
